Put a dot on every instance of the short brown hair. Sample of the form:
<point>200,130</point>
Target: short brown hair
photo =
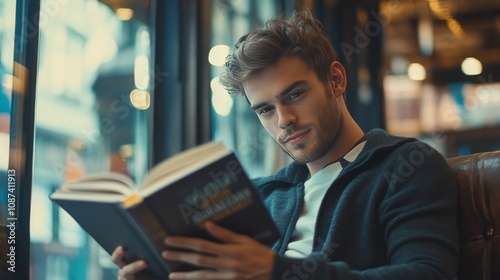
<point>300,35</point>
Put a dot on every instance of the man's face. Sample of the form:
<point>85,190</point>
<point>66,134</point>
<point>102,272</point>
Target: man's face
<point>296,108</point>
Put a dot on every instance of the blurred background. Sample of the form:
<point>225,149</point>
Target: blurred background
<point>122,84</point>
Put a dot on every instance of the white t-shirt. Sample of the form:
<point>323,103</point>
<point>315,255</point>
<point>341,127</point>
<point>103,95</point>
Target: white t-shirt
<point>314,191</point>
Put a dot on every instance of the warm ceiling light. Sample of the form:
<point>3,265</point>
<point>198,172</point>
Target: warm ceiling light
<point>221,100</point>
<point>455,27</point>
<point>217,55</point>
<point>126,151</point>
<point>443,13</point>
<point>124,13</point>
<point>140,99</point>
<point>141,72</point>
<point>472,66</point>
<point>416,72</point>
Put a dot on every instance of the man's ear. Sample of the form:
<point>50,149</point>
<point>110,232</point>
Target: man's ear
<point>337,79</point>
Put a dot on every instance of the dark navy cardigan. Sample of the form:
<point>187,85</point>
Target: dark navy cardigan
<point>390,214</point>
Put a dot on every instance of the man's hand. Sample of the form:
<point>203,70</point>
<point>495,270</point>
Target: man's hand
<point>127,271</point>
<point>237,257</point>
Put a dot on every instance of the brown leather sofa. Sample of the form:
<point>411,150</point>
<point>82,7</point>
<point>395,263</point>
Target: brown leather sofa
<point>478,178</point>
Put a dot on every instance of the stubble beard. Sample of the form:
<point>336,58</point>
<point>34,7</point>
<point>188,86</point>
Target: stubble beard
<point>327,132</point>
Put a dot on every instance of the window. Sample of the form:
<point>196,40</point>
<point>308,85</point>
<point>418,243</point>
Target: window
<point>234,123</point>
<point>92,107</point>
<point>7,24</point>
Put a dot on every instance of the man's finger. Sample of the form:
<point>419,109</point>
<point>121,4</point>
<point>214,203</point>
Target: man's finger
<point>130,270</point>
<point>203,274</point>
<point>198,245</point>
<point>118,255</point>
<point>201,260</point>
<point>224,234</point>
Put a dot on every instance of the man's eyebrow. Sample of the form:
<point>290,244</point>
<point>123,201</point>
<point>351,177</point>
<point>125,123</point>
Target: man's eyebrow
<point>280,95</point>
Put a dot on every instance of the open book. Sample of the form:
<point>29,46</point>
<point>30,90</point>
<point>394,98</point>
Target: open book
<point>176,198</point>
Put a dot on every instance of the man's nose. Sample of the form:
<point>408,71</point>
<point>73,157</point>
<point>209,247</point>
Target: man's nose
<point>286,116</point>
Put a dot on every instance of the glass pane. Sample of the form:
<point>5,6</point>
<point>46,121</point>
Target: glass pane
<point>7,24</point>
<point>234,123</point>
<point>7,31</point>
<point>93,92</point>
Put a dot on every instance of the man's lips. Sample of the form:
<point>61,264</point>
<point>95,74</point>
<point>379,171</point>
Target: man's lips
<point>296,137</point>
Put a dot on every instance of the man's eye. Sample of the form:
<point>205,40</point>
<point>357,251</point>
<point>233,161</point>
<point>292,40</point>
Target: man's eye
<point>295,94</point>
<point>264,110</point>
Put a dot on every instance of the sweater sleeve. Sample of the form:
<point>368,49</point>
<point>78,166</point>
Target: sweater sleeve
<point>418,217</point>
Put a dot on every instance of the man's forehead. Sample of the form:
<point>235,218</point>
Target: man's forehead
<point>276,78</point>
<point>249,93</point>
<point>254,85</point>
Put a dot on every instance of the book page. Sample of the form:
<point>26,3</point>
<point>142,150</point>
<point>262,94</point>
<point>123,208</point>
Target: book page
<point>87,196</point>
<point>184,160</point>
<point>182,165</point>
<point>101,183</point>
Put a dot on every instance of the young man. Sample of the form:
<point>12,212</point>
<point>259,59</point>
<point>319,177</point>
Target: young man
<point>351,205</point>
